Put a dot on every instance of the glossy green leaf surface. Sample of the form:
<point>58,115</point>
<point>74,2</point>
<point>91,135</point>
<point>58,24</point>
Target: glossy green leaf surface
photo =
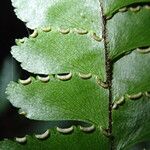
<point>60,13</point>
<point>131,122</point>
<point>58,141</point>
<point>70,52</point>
<point>127,31</point>
<point>111,6</point>
<point>131,74</point>
<point>61,100</point>
<point>131,83</point>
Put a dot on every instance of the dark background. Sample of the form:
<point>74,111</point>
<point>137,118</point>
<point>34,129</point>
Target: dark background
<point>12,28</point>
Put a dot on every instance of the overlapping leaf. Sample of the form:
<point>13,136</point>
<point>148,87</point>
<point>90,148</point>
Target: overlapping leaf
<point>61,100</point>
<point>78,99</point>
<point>131,74</point>
<point>111,6</point>
<point>84,57</point>
<point>53,52</point>
<point>60,13</point>
<point>61,53</point>
<point>58,141</point>
<point>127,31</point>
<point>131,122</point>
<point>131,84</point>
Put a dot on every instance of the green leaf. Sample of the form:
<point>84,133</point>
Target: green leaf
<point>68,53</point>
<point>131,83</point>
<point>111,6</point>
<point>61,53</point>
<point>131,122</point>
<point>60,13</point>
<point>58,141</point>
<point>76,99</point>
<point>127,31</point>
<point>75,45</point>
<point>131,74</point>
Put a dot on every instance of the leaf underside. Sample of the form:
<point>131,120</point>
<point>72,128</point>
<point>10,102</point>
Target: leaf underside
<point>64,100</point>
<point>66,14</point>
<point>137,32</point>
<point>72,42</point>
<point>111,6</point>
<point>76,140</point>
<point>132,119</point>
<point>62,53</point>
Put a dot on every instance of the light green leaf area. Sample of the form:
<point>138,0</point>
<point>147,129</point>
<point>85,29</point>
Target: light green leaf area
<point>127,31</point>
<point>131,123</point>
<point>75,99</point>
<point>111,6</point>
<point>54,53</point>
<point>131,74</point>
<point>60,13</point>
<point>77,140</point>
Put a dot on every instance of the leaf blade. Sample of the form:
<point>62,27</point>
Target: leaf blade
<point>59,13</point>
<point>78,140</point>
<point>61,100</point>
<point>111,6</point>
<point>131,74</point>
<point>126,27</point>
<point>130,102</point>
<point>61,54</point>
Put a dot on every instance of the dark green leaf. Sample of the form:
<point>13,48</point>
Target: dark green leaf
<point>77,140</point>
<point>127,31</point>
<point>131,122</point>
<point>130,88</point>
<point>131,74</point>
<point>111,6</point>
